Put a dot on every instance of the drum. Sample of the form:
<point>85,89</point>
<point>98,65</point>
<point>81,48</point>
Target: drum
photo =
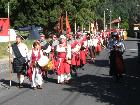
<point>49,66</point>
<point>43,61</point>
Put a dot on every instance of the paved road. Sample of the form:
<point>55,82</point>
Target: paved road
<point>93,86</point>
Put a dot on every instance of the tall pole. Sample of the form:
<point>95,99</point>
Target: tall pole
<point>82,27</point>
<point>75,26</point>
<point>104,21</point>
<point>10,68</point>
<point>66,17</point>
<point>119,23</point>
<point>110,20</point>
<point>89,27</point>
<point>8,9</point>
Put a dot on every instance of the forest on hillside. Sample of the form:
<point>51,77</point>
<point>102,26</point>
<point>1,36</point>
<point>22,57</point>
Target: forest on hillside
<point>45,13</point>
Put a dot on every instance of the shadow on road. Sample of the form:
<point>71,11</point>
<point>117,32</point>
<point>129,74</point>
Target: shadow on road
<point>139,51</point>
<point>102,63</point>
<point>106,90</point>
<point>7,82</point>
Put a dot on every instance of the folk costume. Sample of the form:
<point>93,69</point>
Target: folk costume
<point>116,59</point>
<point>92,43</point>
<point>83,50</point>
<point>75,46</point>
<point>36,72</point>
<point>19,54</point>
<point>63,66</point>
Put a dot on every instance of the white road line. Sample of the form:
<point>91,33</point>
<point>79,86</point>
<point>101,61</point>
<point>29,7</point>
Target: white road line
<point>133,49</point>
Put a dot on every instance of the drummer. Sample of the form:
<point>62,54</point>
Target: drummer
<point>45,46</point>
<point>34,56</point>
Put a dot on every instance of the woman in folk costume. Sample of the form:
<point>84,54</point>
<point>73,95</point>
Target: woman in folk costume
<point>99,44</point>
<point>63,66</point>
<point>36,74</point>
<point>71,43</point>
<point>53,54</point>
<point>116,59</point>
<point>75,61</point>
<point>83,51</point>
<point>91,47</point>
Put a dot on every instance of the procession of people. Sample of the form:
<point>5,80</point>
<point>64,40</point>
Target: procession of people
<point>64,55</point>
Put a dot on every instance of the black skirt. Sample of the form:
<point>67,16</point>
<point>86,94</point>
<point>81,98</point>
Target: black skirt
<point>18,67</point>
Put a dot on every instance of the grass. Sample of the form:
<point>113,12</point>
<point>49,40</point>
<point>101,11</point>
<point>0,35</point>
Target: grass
<point>4,47</point>
<point>3,50</point>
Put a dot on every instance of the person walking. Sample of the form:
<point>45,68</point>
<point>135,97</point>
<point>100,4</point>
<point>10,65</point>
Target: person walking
<point>36,70</point>
<point>19,52</point>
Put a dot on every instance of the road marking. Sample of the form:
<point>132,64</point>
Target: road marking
<point>133,49</point>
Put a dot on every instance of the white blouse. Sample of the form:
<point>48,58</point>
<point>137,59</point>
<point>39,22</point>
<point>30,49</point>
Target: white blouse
<point>22,48</point>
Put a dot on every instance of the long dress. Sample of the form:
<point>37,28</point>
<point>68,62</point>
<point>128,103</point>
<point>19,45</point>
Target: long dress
<point>116,59</point>
<point>63,68</point>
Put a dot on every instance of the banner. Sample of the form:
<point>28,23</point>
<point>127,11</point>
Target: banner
<point>59,26</point>
<point>4,26</point>
<point>68,29</point>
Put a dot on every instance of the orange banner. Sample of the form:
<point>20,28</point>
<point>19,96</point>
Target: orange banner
<point>4,26</point>
<point>68,29</point>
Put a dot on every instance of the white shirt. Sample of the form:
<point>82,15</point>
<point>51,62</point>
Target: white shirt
<point>68,51</point>
<point>60,49</point>
<point>94,42</point>
<point>36,54</point>
<point>22,48</point>
<point>48,50</point>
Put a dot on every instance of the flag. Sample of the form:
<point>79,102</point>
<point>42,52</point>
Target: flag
<point>68,29</point>
<point>59,26</point>
<point>4,26</point>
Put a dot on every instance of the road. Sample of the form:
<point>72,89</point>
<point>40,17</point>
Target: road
<point>93,86</point>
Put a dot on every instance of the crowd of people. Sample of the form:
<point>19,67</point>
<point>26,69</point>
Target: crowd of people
<point>63,54</point>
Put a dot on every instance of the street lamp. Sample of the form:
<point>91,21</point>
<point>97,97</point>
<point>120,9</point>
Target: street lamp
<point>104,21</point>
<point>110,19</point>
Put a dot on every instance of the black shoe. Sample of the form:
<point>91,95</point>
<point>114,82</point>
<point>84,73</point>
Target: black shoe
<point>34,88</point>
<point>75,75</point>
<point>39,87</point>
<point>20,85</point>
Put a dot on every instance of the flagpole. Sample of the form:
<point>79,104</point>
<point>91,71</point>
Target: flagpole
<point>89,27</point>
<point>10,68</point>
<point>75,24</point>
<point>66,18</point>
<point>82,27</point>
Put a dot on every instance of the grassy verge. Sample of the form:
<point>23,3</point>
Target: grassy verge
<point>4,46</point>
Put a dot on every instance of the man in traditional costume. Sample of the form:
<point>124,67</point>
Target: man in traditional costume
<point>19,53</point>
<point>46,48</point>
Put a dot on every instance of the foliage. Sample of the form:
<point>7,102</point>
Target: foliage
<point>46,12</point>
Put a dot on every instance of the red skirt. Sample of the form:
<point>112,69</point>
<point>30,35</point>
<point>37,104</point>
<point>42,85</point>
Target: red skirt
<point>83,56</point>
<point>98,48</point>
<point>119,63</point>
<point>75,59</point>
<point>62,66</point>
